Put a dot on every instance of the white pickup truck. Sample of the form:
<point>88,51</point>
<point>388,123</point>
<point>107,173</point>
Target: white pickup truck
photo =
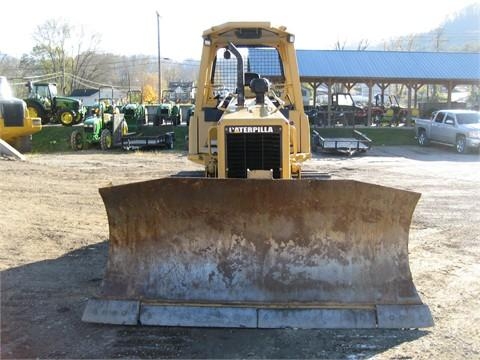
<point>458,128</point>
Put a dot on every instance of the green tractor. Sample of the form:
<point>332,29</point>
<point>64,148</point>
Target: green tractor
<point>105,126</point>
<point>168,110</point>
<point>134,112</point>
<point>142,134</point>
<point>44,103</point>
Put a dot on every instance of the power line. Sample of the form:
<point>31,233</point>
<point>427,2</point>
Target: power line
<point>39,78</point>
<point>58,73</point>
<point>91,84</point>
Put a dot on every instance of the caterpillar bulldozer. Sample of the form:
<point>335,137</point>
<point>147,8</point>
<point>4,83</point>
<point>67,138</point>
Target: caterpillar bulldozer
<point>253,243</point>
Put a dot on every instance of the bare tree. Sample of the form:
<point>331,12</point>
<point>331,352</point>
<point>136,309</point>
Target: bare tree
<point>363,45</point>
<point>438,35</point>
<point>340,45</point>
<point>438,39</point>
<point>61,48</point>
<point>8,66</point>
<point>51,39</point>
<point>86,46</point>
<point>403,43</point>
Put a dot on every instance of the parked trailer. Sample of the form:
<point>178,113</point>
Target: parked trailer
<point>359,142</point>
<point>142,141</point>
<point>150,137</point>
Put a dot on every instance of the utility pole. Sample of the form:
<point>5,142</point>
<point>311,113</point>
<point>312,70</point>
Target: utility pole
<point>63,73</point>
<point>159,61</point>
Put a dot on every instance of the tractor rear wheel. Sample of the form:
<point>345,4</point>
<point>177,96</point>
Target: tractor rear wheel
<point>66,117</point>
<point>79,118</point>
<point>35,110</point>
<point>106,139</point>
<point>76,140</point>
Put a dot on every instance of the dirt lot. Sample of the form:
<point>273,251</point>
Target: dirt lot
<point>53,233</point>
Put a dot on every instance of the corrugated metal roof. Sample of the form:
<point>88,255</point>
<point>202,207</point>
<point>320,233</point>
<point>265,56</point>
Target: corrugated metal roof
<point>427,66</point>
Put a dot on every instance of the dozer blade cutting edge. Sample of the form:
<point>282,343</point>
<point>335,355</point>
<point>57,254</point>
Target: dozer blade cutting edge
<point>258,254</point>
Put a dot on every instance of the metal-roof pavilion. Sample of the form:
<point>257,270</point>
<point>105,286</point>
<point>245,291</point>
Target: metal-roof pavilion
<point>383,68</point>
<point>389,66</point>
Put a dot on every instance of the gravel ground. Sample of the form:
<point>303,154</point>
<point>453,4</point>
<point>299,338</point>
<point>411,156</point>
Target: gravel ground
<point>53,242</point>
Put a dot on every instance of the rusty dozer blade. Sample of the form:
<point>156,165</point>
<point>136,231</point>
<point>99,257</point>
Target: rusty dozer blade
<point>258,254</point>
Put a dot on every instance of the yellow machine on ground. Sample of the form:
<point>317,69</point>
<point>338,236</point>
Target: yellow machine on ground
<point>252,243</point>
<point>16,125</point>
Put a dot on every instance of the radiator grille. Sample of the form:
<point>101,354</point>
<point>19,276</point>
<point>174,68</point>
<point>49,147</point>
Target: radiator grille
<point>259,151</point>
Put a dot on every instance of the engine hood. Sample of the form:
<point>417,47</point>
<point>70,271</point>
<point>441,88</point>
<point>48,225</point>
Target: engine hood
<point>66,99</point>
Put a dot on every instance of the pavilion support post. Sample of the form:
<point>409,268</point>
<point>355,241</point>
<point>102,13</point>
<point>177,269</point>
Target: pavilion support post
<point>315,86</point>
<point>349,86</point>
<point>409,105</point>
<point>329,106</point>
<point>383,87</point>
<point>370,85</point>
<point>450,87</point>
<point>416,87</point>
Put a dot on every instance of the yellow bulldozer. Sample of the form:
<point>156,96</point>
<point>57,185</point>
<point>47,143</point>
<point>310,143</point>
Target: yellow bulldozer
<point>16,124</point>
<point>252,243</point>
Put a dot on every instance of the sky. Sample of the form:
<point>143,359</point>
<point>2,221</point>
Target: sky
<point>132,29</point>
